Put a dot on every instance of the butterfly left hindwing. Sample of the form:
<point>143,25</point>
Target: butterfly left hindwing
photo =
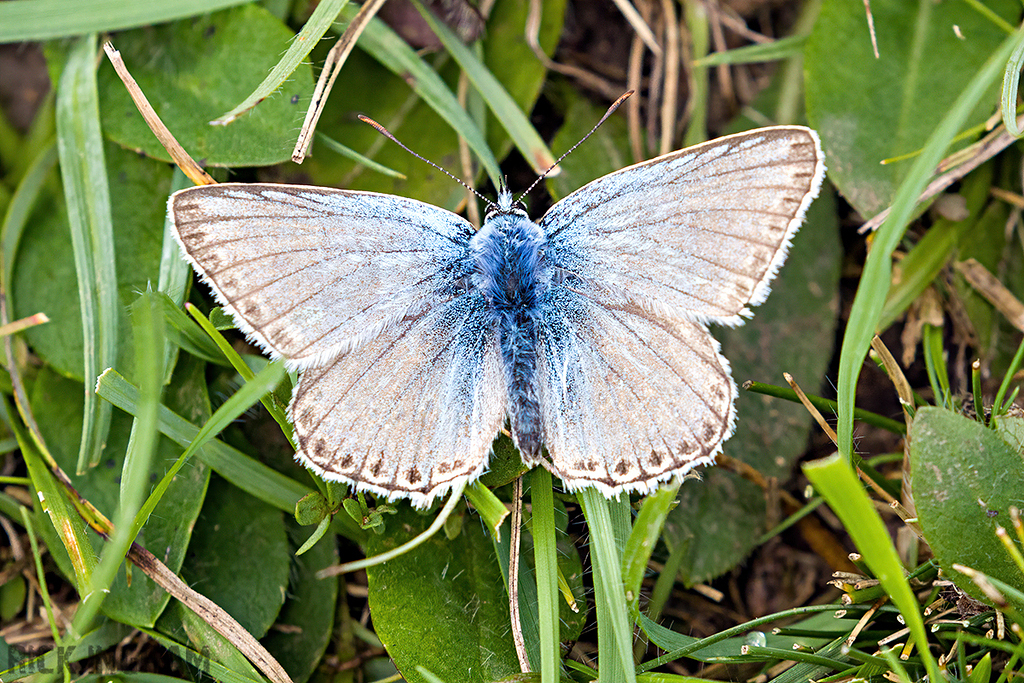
<point>411,412</point>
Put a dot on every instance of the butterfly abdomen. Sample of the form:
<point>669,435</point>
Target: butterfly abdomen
<point>511,273</point>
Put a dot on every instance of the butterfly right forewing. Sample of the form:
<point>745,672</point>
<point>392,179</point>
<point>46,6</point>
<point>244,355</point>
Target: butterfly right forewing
<point>697,234</point>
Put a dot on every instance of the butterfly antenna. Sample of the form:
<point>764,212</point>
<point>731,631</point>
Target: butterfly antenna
<point>386,133</point>
<point>611,110</point>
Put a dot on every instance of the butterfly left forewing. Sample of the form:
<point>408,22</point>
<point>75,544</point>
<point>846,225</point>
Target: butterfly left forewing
<point>628,400</point>
<point>312,272</point>
<point>410,413</point>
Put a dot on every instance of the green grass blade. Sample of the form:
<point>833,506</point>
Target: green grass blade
<point>248,474</point>
<point>313,30</point>
<point>488,505</point>
<point>783,48</point>
<point>826,406</point>
<point>834,479</point>
<point>698,25</point>
<point>148,331</point>
<point>69,526</point>
<point>614,637</point>
<point>877,275</point>
<point>24,200</point>
<point>186,334</point>
<point>175,276</point>
<point>350,153</point>
<point>239,402</point>
<point>37,558</point>
<point>644,536</point>
<point>269,401</point>
<point>923,263</point>
<point>149,343</point>
<point>545,562</point>
<point>251,476</point>
<point>84,172</point>
<point>175,273</point>
<point>102,638</point>
<point>389,49</point>
<point>525,137</point>
<point>45,19</point>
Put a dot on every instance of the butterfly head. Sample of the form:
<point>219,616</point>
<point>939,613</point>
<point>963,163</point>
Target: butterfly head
<point>506,205</point>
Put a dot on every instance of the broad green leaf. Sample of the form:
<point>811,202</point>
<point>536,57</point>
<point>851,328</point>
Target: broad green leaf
<point>44,270</point>
<point>308,611</point>
<point>239,556</point>
<point>57,405</point>
<point>194,70</point>
<point>305,40</point>
<point>505,464</point>
<point>717,521</point>
<point>869,109</point>
<point>443,605</point>
<point>966,477</point>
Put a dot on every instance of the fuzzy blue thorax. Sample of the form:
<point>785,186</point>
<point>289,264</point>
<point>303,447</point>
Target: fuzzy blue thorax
<point>513,275</point>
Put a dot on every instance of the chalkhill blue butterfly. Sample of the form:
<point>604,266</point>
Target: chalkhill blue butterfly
<point>418,336</point>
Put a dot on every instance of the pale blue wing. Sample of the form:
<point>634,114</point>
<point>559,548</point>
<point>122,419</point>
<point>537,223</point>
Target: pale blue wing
<point>310,272</point>
<point>411,412</point>
<point>628,400</point>
<point>697,234</point>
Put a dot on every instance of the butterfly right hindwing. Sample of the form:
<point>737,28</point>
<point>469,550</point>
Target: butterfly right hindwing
<point>628,400</point>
